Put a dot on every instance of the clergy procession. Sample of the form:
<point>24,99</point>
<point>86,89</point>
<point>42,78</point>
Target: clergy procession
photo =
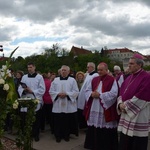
<point>112,108</point>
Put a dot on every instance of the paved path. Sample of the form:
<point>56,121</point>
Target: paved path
<point>47,142</point>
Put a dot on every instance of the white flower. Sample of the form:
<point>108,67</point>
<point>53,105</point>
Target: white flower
<point>36,101</point>
<point>8,73</point>
<point>2,81</point>
<point>4,67</point>
<point>6,87</point>
<point>2,74</point>
<point>15,106</point>
<point>16,102</point>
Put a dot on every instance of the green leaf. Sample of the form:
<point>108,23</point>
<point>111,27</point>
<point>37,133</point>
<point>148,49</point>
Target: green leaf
<point>13,52</point>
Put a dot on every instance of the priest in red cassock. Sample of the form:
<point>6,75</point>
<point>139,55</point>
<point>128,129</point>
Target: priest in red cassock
<point>100,111</point>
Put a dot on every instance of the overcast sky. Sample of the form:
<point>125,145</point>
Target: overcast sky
<point>34,25</point>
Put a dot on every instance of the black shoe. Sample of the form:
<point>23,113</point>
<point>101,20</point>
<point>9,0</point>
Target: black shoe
<point>36,139</point>
<point>58,140</point>
<point>67,139</point>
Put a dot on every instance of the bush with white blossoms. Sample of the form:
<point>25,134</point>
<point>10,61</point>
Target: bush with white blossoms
<point>10,103</point>
<point>8,93</point>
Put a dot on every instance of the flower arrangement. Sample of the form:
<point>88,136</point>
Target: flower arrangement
<point>7,93</point>
<point>24,138</point>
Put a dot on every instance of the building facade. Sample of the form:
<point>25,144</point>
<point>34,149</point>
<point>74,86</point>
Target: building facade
<point>123,55</point>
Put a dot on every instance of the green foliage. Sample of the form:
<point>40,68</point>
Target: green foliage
<point>7,93</point>
<point>53,58</point>
<point>24,138</point>
<point>18,64</point>
<point>3,114</point>
<point>146,68</point>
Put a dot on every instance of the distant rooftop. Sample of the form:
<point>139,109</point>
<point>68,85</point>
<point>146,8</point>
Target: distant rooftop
<point>121,50</point>
<point>79,51</point>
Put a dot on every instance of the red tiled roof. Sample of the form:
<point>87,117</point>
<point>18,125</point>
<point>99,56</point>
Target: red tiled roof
<point>147,56</point>
<point>121,50</point>
<point>79,51</point>
<point>3,58</point>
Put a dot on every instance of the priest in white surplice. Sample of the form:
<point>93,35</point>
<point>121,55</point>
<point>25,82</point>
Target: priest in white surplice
<point>91,73</point>
<point>33,86</point>
<point>64,92</point>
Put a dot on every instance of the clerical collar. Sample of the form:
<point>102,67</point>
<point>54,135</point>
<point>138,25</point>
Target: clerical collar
<point>92,73</point>
<point>65,78</point>
<point>32,75</point>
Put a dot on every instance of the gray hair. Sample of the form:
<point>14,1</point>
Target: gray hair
<point>138,61</point>
<point>91,64</point>
<point>66,67</point>
<point>117,68</point>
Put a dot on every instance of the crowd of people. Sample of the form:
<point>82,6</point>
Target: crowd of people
<point>114,108</point>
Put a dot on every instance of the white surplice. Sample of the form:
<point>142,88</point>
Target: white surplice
<point>69,87</point>
<point>96,117</point>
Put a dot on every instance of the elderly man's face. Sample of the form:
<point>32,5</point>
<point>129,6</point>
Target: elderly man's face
<point>90,68</point>
<point>102,70</point>
<point>64,72</point>
<point>116,72</point>
<point>133,66</point>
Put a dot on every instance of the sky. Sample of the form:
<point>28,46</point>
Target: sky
<point>35,25</point>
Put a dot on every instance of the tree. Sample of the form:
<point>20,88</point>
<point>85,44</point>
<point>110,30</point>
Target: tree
<point>54,50</point>
<point>53,58</point>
